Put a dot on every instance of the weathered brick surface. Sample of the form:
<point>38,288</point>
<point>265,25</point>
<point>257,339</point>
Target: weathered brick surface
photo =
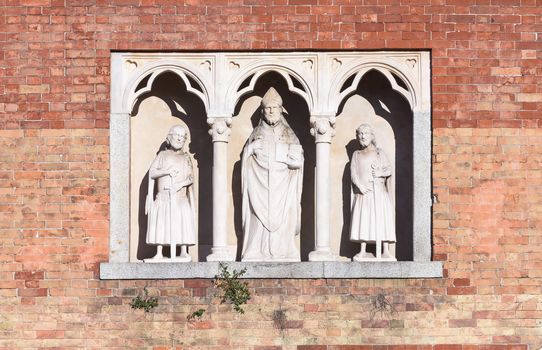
<point>54,202</point>
<point>54,195</point>
<point>486,54</point>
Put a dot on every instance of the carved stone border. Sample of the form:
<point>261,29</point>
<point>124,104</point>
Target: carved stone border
<point>217,76</point>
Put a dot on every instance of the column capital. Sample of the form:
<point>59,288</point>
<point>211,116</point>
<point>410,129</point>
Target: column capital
<point>323,128</point>
<point>220,128</point>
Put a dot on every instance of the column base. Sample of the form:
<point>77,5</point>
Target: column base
<point>222,254</point>
<point>322,255</point>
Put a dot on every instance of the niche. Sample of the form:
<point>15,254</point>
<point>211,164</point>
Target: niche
<point>376,103</point>
<point>246,117</point>
<point>168,103</point>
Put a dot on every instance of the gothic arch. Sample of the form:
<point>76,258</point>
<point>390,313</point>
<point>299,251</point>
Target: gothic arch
<point>251,73</point>
<point>146,75</point>
<point>390,70</point>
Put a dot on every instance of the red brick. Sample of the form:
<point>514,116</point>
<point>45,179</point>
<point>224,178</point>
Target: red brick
<point>32,292</point>
<point>49,334</point>
<point>54,76</point>
<point>447,347</point>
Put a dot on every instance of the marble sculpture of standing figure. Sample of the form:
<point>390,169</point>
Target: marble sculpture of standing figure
<point>171,216</point>
<point>272,175</point>
<point>372,219</point>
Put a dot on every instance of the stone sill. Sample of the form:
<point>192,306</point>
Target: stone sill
<point>297,270</point>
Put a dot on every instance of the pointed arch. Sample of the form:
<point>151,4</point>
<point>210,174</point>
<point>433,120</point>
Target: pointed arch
<point>296,83</point>
<point>337,93</point>
<point>146,76</point>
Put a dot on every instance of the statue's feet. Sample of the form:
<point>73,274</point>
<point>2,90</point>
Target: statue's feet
<point>158,258</point>
<point>364,256</point>
<point>386,256</point>
<point>181,258</point>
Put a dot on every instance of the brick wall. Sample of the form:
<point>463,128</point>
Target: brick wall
<point>54,103</point>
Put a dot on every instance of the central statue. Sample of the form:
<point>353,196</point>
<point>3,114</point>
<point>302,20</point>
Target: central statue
<point>272,176</point>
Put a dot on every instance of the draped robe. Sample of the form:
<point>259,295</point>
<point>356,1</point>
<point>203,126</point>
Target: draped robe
<point>271,195</point>
<point>372,213</point>
<point>171,216</point>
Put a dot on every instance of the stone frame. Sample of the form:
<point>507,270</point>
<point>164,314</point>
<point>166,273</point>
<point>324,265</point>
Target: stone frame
<point>219,94</point>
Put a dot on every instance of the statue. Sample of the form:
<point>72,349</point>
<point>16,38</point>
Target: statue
<point>272,176</point>
<point>372,217</point>
<point>171,216</point>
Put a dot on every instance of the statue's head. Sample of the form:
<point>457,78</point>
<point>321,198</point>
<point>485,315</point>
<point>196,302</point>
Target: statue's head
<point>272,107</point>
<point>176,137</point>
<point>365,135</point>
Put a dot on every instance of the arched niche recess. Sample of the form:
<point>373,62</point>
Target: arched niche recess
<point>372,99</point>
<point>246,117</point>
<point>162,104</point>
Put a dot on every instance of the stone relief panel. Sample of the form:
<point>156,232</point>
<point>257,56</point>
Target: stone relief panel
<point>390,91</point>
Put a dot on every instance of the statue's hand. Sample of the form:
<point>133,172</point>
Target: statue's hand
<point>294,161</point>
<point>173,172</point>
<point>376,170</point>
<point>365,189</point>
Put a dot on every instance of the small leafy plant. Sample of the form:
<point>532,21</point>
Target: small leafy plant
<point>196,315</point>
<point>146,303</point>
<point>233,290</point>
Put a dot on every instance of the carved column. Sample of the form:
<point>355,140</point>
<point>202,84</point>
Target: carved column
<point>220,133</point>
<point>322,130</point>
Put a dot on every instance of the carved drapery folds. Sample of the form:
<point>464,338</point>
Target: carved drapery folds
<point>323,80</point>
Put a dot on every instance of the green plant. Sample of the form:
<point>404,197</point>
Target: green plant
<point>233,290</point>
<point>146,303</point>
<point>195,315</point>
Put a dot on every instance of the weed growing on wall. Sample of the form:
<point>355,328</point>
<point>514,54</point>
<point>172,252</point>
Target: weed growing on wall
<point>146,303</point>
<point>233,290</point>
<point>196,315</point>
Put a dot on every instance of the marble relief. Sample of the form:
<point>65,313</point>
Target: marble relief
<point>265,223</point>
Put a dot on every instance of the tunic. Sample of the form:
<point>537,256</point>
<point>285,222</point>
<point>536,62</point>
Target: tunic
<point>271,194</point>
<point>372,213</point>
<point>171,216</point>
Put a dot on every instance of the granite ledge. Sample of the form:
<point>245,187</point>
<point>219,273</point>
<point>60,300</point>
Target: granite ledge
<point>297,270</point>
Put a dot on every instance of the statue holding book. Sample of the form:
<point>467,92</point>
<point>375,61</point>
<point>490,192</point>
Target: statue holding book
<point>272,176</point>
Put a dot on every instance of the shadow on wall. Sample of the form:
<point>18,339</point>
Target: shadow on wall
<point>190,109</point>
<point>376,89</point>
<point>299,119</point>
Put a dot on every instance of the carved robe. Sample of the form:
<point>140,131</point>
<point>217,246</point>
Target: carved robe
<point>372,212</point>
<point>171,216</point>
<point>271,194</point>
